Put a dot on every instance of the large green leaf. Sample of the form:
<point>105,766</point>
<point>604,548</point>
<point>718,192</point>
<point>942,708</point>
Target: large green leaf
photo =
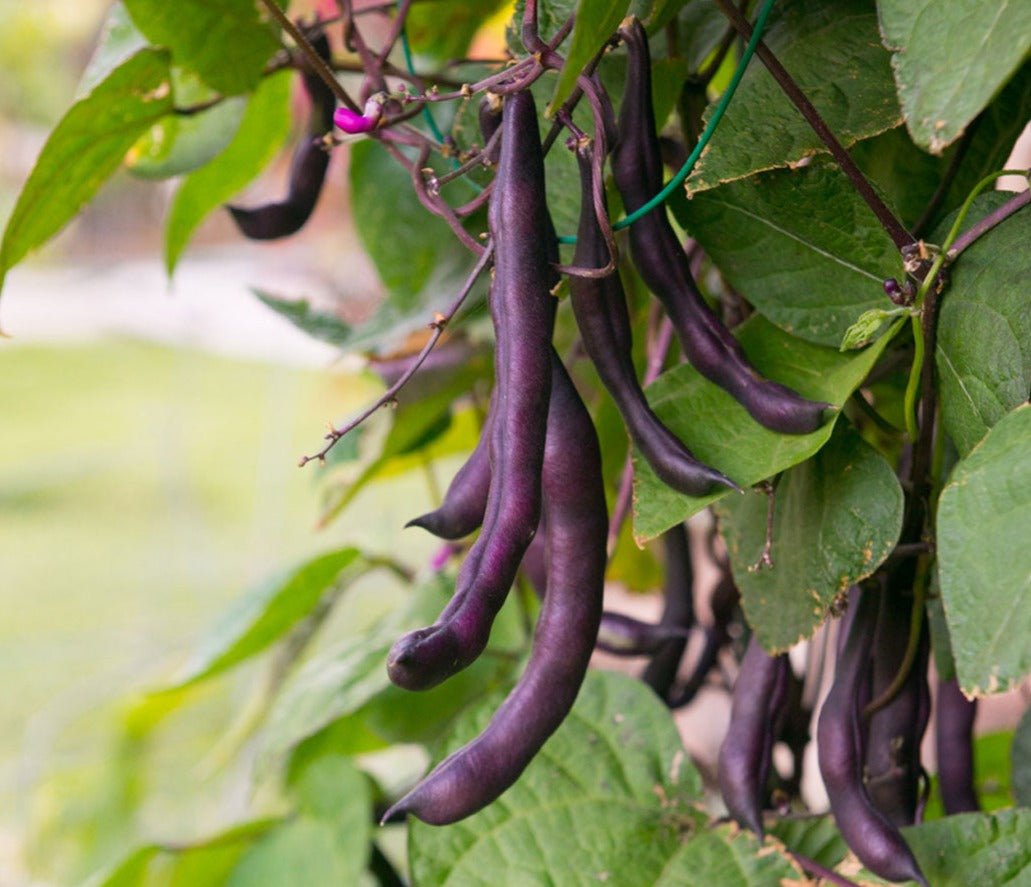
<point>442,30</point>
<point>607,797</point>
<point>84,149</point>
<point>832,50</point>
<point>974,848</point>
<point>983,353</point>
<point>726,855</point>
<point>984,561</point>
<point>800,245</point>
<point>951,58</point>
<point>909,177</point>
<point>837,516</point>
<point>265,615</point>
<point>264,127</point>
<point>227,42</point>
<point>596,21</point>
<point>718,430</point>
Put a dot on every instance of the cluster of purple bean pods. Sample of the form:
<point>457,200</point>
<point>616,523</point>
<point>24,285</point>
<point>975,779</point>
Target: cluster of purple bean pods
<point>533,488</point>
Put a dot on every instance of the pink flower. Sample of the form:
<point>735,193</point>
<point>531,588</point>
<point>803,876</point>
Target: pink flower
<point>351,122</point>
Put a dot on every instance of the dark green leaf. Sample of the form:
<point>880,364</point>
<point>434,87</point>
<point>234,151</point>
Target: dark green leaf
<point>974,848</point>
<point>266,614</point>
<point>984,562</point>
<point>800,245</point>
<point>837,516</point>
<point>84,149</point>
<point>725,855</point>
<point>950,59</point>
<point>719,431</point>
<point>833,51</point>
<point>318,324</point>
<point>227,42</point>
<point>1021,757</point>
<point>596,21</point>
<point>983,353</point>
<point>606,798</point>
<point>264,127</point>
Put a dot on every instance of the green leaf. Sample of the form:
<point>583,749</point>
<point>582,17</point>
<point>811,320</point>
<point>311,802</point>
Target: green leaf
<point>204,863</point>
<point>1021,757</point>
<point>974,848</point>
<point>837,516</point>
<point>984,562</point>
<point>816,837</point>
<point>442,30</point>
<point>119,39</point>
<point>983,352</point>
<point>84,149</point>
<point>726,855</point>
<point>227,42</point>
<point>418,258</point>
<point>800,245</point>
<point>909,177</point>
<point>263,616</point>
<point>595,23</point>
<point>264,127</point>
<point>950,59</point>
<point>179,144</point>
<point>718,431</point>
<point>833,51</point>
<point>607,798</point>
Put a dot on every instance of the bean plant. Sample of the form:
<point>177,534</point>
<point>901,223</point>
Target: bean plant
<point>671,259</point>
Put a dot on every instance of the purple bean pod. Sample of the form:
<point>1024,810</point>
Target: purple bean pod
<point>523,312</point>
<point>574,501</point>
<point>677,609</point>
<point>465,501</point>
<point>623,635</point>
<point>490,120</point>
<point>747,750</point>
<point>707,344</point>
<point>954,734</point>
<point>307,170</point>
<point>872,837</point>
<point>599,305</point>
<point>891,768</point>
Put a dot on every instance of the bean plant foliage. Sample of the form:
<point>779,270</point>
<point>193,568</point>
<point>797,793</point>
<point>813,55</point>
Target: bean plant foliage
<point>818,333</point>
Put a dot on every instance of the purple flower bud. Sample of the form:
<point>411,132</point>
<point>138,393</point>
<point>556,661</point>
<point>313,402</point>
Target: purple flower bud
<point>352,122</point>
<point>892,288</point>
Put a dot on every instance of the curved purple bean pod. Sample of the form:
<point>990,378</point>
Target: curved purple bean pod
<point>479,772</point>
<point>954,734</point>
<point>891,767</point>
<point>307,171</point>
<point>708,345</point>
<point>746,752</point>
<point>623,635</point>
<point>872,837</point>
<point>677,609</point>
<point>523,312</point>
<point>465,501</point>
<point>599,305</point>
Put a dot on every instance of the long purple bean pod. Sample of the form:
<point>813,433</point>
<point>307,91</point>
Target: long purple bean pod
<point>574,502</point>
<point>523,312</point>
<point>872,837</point>
<point>707,344</point>
<point>954,734</point>
<point>677,609</point>
<point>622,635</point>
<point>891,768</point>
<point>746,752</point>
<point>307,171</point>
<point>599,305</point>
